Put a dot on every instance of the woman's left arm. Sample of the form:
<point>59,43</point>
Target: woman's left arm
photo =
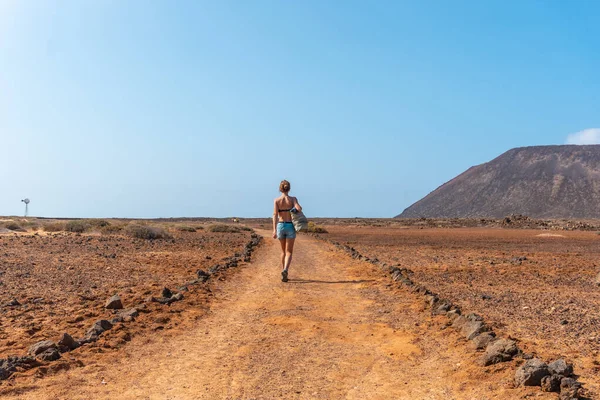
<point>297,205</point>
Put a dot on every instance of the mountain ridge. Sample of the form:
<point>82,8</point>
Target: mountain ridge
<point>560,181</point>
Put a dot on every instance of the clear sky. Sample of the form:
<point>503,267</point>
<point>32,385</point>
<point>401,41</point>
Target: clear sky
<point>199,108</point>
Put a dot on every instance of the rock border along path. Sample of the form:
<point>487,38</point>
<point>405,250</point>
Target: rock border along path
<point>47,351</point>
<point>557,376</point>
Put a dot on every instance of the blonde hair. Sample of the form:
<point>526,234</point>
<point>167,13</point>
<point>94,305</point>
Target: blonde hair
<point>284,186</point>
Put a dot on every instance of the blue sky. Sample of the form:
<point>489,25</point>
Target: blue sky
<point>200,108</point>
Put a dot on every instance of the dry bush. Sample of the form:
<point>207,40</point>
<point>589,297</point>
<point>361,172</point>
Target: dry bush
<point>13,226</point>
<point>55,226</point>
<point>112,229</point>
<point>33,225</point>
<point>147,232</point>
<point>314,228</point>
<point>97,223</point>
<point>77,226</point>
<point>223,228</point>
<point>186,229</point>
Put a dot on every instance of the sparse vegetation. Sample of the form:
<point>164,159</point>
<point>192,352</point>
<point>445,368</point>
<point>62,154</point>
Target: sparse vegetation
<point>147,232</point>
<point>112,229</point>
<point>98,223</point>
<point>54,226</point>
<point>77,226</point>
<point>314,228</point>
<point>224,228</point>
<point>186,229</point>
<point>13,226</point>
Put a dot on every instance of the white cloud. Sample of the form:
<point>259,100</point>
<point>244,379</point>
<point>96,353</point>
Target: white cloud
<point>586,136</point>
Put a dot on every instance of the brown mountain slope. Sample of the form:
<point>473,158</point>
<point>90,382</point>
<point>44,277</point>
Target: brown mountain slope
<point>541,182</point>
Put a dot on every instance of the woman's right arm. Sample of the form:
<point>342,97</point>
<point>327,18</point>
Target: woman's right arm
<point>275,217</point>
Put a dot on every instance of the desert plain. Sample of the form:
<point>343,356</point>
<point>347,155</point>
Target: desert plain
<point>204,315</point>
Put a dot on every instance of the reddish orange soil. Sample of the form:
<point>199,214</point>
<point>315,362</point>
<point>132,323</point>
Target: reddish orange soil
<point>537,286</point>
<point>337,329</point>
<point>62,281</point>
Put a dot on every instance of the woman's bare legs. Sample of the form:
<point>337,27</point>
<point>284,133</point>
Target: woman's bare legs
<point>282,243</point>
<point>289,249</point>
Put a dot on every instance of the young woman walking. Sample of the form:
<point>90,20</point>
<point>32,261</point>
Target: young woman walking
<point>283,229</point>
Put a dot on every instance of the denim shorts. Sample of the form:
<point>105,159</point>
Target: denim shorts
<point>285,230</point>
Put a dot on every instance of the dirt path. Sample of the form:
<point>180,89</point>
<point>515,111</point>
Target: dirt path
<point>335,331</point>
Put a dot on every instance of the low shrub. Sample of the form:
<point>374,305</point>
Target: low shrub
<point>147,232</point>
<point>54,226</point>
<point>224,228</point>
<point>111,229</point>
<point>314,228</point>
<point>97,223</point>
<point>186,229</point>
<point>77,226</point>
<point>13,226</point>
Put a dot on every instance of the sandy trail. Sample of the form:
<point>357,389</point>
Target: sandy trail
<point>335,331</point>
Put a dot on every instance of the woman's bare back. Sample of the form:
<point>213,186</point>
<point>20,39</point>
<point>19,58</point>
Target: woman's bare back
<point>284,202</point>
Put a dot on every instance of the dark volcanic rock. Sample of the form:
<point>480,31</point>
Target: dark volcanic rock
<point>132,313</point>
<point>470,325</point>
<point>500,351</point>
<point>531,373</point>
<point>99,328</point>
<point>569,389</point>
<point>114,303</point>
<point>13,303</point>
<point>540,182</point>
<point>42,346</point>
<point>50,354</point>
<point>67,342</point>
<point>482,341</point>
<point>551,383</point>
<point>202,275</point>
<point>560,367</point>
<point>166,292</point>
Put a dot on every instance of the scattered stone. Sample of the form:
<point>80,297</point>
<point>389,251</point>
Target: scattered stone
<point>132,313</point>
<point>202,275</point>
<point>453,314</point>
<point>470,326</point>
<point>42,346</point>
<point>442,308</point>
<point>67,342</point>
<point>499,351</point>
<point>114,303</point>
<point>99,328</point>
<point>51,354</point>
<point>482,341</point>
<point>560,367</point>
<point>177,297</point>
<point>551,383</point>
<point>569,389</point>
<point>166,292</point>
<point>13,303</point>
<point>531,373</point>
